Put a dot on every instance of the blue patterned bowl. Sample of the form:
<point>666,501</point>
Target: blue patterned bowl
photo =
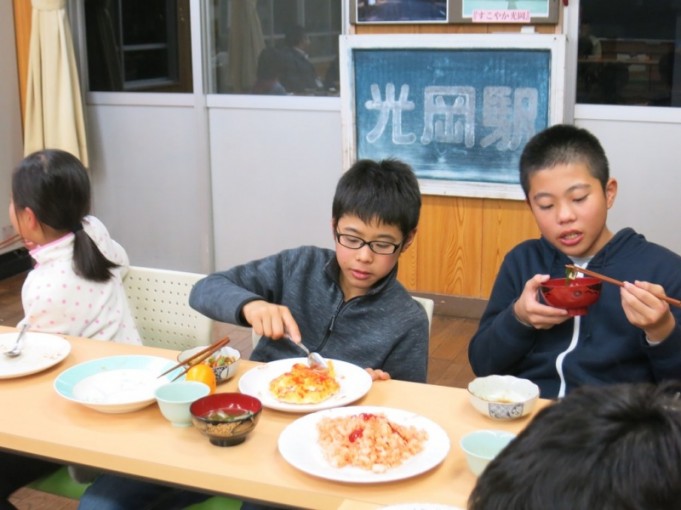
<point>503,397</point>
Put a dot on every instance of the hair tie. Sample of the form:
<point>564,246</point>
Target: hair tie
<point>77,227</point>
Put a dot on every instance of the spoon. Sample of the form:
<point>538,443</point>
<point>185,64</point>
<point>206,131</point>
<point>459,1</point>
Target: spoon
<point>314,359</point>
<point>18,344</point>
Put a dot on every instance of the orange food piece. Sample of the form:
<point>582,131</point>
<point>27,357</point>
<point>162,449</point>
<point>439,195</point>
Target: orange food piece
<point>203,373</point>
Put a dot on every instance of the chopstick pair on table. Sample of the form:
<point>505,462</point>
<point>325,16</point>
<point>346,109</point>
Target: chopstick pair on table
<point>200,356</point>
<point>588,272</point>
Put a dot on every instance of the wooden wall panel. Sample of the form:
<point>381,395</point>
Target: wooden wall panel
<point>505,224</point>
<point>468,28</point>
<point>461,242</point>
<point>449,250</point>
<point>408,266</point>
<point>22,29</point>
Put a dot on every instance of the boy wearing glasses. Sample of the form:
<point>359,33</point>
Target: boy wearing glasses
<point>347,304</point>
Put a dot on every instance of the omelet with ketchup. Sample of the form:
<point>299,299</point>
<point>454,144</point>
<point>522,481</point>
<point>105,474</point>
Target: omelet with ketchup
<point>305,385</point>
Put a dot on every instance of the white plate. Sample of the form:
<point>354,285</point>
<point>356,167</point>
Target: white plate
<point>41,351</point>
<point>298,444</point>
<point>116,384</point>
<point>354,382</point>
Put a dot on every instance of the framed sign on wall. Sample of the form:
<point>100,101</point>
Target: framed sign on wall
<point>458,108</point>
<point>504,11</point>
<point>453,11</point>
<point>399,11</point>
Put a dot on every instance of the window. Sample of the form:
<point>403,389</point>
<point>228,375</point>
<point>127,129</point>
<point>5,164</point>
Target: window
<point>138,46</point>
<point>274,46</point>
<point>627,53</point>
<point>254,46</point>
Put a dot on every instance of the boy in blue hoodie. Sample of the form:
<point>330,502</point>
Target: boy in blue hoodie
<point>629,334</point>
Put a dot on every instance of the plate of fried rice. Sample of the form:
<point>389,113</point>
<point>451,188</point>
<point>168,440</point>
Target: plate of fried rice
<point>363,444</point>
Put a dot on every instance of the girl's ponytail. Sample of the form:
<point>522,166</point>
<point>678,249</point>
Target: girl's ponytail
<point>89,262</point>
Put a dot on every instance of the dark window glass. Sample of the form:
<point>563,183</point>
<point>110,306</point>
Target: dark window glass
<point>628,53</point>
<point>156,15</point>
<point>141,46</point>
<point>282,47</point>
<point>148,64</point>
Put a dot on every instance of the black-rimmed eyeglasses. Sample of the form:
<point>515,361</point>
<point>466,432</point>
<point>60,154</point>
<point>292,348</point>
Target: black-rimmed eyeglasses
<point>378,247</point>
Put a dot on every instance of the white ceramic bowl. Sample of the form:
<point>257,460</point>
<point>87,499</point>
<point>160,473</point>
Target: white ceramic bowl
<point>503,397</point>
<point>222,372</point>
<point>175,398</point>
<point>481,446</point>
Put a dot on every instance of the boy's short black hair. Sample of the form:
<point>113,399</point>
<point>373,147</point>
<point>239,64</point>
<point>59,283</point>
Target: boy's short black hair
<point>605,448</point>
<point>386,191</point>
<point>560,145</point>
<point>294,35</point>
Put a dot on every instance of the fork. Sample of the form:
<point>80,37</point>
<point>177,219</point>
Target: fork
<point>18,343</point>
<point>314,359</point>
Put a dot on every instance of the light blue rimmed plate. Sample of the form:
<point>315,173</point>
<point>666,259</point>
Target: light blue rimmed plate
<point>115,384</point>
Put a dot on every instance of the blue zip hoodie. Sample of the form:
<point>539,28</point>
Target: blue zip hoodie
<point>607,348</point>
<point>386,328</point>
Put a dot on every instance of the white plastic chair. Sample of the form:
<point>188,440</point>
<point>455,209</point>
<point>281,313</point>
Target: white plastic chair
<point>427,304</point>
<point>159,301</point>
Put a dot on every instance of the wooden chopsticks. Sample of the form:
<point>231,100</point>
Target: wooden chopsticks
<point>671,301</point>
<point>197,358</point>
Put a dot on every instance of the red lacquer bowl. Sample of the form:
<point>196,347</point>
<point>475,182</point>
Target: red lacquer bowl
<point>226,418</point>
<point>573,295</point>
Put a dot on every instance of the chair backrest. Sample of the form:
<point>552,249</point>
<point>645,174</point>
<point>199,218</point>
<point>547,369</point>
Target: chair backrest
<point>427,304</point>
<point>159,301</point>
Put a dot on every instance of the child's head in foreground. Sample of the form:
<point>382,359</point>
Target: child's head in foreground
<point>611,448</point>
<point>375,214</point>
<point>564,173</point>
<point>55,186</point>
<point>50,199</point>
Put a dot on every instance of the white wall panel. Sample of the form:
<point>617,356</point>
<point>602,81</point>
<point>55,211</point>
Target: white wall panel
<point>150,188</point>
<point>274,173</point>
<point>645,158</point>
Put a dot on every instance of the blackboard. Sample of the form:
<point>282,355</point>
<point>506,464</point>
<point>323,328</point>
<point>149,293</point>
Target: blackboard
<point>459,113</point>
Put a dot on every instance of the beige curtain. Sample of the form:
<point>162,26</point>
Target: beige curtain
<point>245,44</point>
<point>54,106</point>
